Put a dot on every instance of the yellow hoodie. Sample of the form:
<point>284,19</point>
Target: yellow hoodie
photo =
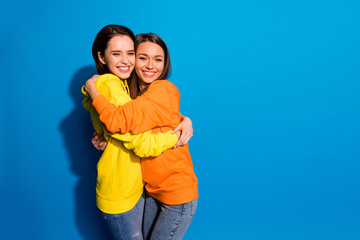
<point>119,182</point>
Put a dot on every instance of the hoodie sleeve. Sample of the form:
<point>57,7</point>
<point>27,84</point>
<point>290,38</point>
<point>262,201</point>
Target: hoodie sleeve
<point>158,106</point>
<point>147,144</point>
<point>144,145</point>
<point>104,90</point>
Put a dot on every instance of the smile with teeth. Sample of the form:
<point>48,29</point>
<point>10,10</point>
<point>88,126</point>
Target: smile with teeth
<point>148,73</point>
<point>124,68</point>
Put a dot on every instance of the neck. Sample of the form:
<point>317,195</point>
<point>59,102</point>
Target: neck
<point>142,85</point>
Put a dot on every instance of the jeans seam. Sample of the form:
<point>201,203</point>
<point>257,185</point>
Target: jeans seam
<point>120,229</point>
<point>178,222</point>
<point>191,208</point>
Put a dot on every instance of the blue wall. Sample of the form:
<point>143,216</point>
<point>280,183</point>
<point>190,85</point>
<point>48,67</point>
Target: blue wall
<point>272,87</point>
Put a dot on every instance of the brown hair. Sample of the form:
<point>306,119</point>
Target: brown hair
<point>101,41</point>
<point>134,79</point>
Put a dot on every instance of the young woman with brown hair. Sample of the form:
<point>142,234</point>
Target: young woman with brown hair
<point>120,184</point>
<point>170,181</point>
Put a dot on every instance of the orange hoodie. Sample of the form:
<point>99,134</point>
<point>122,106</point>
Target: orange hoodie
<point>170,177</point>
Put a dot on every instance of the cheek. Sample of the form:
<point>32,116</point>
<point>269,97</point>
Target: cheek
<point>109,61</point>
<point>138,64</point>
<point>137,70</point>
<point>132,60</point>
<point>161,68</point>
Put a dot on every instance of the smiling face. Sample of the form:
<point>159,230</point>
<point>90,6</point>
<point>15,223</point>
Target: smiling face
<point>119,56</point>
<point>149,64</point>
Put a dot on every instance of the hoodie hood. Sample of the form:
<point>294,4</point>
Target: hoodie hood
<point>87,102</point>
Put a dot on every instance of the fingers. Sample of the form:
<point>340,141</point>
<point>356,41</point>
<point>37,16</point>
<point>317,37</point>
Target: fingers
<point>93,140</point>
<point>102,142</point>
<point>90,81</point>
<point>187,140</point>
<point>102,146</point>
<point>185,126</point>
<point>99,141</point>
<point>96,136</point>
<point>95,144</point>
<point>93,78</point>
<point>182,140</point>
<point>178,128</point>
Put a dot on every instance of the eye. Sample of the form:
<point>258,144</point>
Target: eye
<point>131,54</point>
<point>142,58</point>
<point>116,54</point>
<point>158,60</point>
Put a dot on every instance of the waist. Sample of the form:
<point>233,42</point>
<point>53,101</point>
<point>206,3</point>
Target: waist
<point>172,170</point>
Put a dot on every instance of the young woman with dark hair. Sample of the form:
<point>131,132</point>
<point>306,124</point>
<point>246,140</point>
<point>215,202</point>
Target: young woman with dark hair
<point>170,181</point>
<point>119,189</point>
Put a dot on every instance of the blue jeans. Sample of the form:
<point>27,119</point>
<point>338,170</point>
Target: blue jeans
<point>127,225</point>
<point>167,222</point>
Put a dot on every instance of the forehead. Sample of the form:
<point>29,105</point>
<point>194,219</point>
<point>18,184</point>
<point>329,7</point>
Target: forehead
<point>150,49</point>
<point>120,42</point>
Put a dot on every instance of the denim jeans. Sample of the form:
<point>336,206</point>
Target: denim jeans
<point>167,222</point>
<point>127,225</point>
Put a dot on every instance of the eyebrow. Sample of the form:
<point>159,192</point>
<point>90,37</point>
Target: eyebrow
<point>125,51</point>
<point>155,55</point>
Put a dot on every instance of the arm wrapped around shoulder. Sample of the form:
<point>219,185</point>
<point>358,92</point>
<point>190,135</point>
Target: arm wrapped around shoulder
<point>158,106</point>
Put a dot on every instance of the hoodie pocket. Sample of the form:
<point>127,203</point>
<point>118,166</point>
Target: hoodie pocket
<point>105,177</point>
<point>157,172</point>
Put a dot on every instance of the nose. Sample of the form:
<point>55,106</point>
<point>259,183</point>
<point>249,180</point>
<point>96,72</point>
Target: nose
<point>149,64</point>
<point>124,59</point>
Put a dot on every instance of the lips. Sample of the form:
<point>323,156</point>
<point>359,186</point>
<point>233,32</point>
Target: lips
<point>148,73</point>
<point>124,69</point>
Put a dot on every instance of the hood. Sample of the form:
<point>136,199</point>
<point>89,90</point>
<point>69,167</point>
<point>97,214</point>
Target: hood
<point>87,102</point>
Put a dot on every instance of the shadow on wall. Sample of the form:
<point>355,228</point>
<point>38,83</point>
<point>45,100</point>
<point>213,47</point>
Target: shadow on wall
<point>77,130</point>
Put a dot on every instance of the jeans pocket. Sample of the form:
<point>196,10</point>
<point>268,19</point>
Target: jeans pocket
<point>193,207</point>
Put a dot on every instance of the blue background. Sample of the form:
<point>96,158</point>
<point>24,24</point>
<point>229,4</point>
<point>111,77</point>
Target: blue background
<point>272,88</point>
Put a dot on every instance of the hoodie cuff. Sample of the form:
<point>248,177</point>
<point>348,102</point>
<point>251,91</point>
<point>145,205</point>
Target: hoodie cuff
<point>99,103</point>
<point>84,92</point>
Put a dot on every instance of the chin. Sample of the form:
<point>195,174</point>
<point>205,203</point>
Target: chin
<point>123,76</point>
<point>149,80</point>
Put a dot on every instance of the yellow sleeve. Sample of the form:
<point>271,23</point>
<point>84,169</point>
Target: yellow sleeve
<point>97,124</point>
<point>147,144</point>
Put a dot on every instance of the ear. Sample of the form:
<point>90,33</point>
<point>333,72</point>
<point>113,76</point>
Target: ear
<point>101,58</point>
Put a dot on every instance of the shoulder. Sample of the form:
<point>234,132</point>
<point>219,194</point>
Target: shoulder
<point>164,85</point>
<point>107,79</point>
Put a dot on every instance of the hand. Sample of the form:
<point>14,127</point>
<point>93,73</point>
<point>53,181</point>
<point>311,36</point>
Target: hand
<point>99,141</point>
<point>90,87</point>
<point>186,129</point>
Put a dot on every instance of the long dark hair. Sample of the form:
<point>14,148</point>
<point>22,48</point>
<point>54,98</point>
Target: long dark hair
<point>134,79</point>
<point>101,41</point>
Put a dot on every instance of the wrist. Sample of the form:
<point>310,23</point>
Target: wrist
<point>93,92</point>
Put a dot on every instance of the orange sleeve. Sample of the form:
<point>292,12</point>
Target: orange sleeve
<point>158,106</point>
